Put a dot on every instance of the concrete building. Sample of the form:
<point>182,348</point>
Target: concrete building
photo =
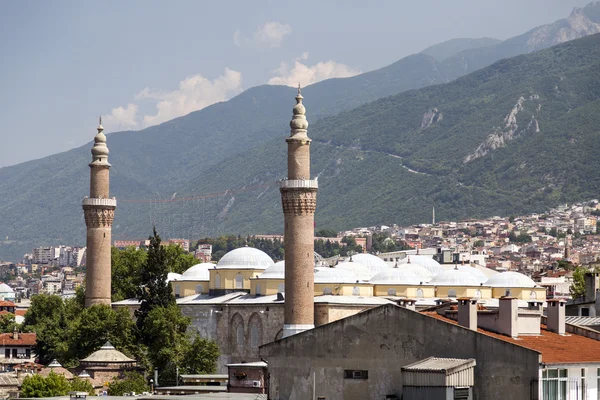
<point>99,212</point>
<point>299,200</point>
<point>16,348</point>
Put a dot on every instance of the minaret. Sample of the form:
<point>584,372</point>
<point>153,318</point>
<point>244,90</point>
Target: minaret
<point>99,211</point>
<point>299,199</point>
<point>433,215</point>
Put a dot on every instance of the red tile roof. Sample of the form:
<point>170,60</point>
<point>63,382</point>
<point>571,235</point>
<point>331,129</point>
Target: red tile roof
<point>555,348</point>
<point>25,339</point>
<point>21,312</point>
<point>6,303</point>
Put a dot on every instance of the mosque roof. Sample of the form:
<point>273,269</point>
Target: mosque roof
<point>424,261</point>
<point>361,272</point>
<point>4,288</point>
<point>403,274</point>
<point>275,271</point>
<point>372,262</point>
<point>334,275</point>
<point>245,258</point>
<point>172,276</point>
<point>198,272</point>
<point>457,277</point>
<point>511,279</point>
<point>107,354</point>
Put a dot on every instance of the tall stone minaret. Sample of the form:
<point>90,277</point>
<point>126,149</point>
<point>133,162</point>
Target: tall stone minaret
<point>99,212</point>
<point>433,216</point>
<point>299,199</point>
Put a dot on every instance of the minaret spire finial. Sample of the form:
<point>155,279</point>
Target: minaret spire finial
<point>299,89</point>
<point>100,120</point>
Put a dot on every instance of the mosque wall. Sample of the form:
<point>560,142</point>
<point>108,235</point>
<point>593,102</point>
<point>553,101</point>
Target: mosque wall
<point>189,288</point>
<point>232,278</point>
<point>410,292</point>
<point>521,293</point>
<point>267,287</point>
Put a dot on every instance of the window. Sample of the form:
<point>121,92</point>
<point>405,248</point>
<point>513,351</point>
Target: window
<point>585,311</point>
<point>391,292</point>
<point>217,281</point>
<point>239,281</point>
<point>281,288</point>
<point>355,291</point>
<point>478,294</point>
<point>14,353</point>
<point>255,332</point>
<point>532,295</point>
<point>6,353</point>
<point>258,293</point>
<point>554,384</point>
<point>420,293</point>
<point>327,290</point>
<point>451,293</point>
<point>583,387</point>
<point>199,289</point>
<point>239,335</point>
<point>598,384</point>
<point>356,374</point>
<point>177,291</point>
<point>28,353</point>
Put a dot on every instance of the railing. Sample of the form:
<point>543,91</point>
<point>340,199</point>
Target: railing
<point>299,183</point>
<point>99,202</point>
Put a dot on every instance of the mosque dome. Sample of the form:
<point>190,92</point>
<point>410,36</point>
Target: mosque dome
<point>469,270</point>
<point>107,354</point>
<point>403,274</point>
<point>198,272</point>
<point>372,262</point>
<point>4,288</point>
<point>334,275</point>
<point>424,261</point>
<point>275,271</point>
<point>245,258</point>
<point>361,272</point>
<point>172,276</point>
<point>456,277</point>
<point>511,279</point>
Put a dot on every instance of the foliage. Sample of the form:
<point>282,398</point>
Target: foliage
<point>577,288</point>
<point>131,382</point>
<point>200,357</point>
<point>177,259</point>
<point>523,237</point>
<point>326,233</point>
<point>8,323</point>
<point>126,266</point>
<point>479,243</point>
<point>39,386</point>
<point>383,243</point>
<point>81,385</point>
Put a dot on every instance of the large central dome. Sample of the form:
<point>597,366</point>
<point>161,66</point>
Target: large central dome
<point>245,258</point>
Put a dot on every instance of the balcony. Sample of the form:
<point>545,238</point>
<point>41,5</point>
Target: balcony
<point>99,202</point>
<point>299,184</point>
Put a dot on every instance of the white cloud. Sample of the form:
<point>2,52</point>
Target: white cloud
<point>305,75</point>
<point>121,118</point>
<point>270,34</point>
<point>194,93</point>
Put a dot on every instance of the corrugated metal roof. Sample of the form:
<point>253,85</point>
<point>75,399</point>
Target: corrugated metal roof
<point>435,364</point>
<point>583,321</point>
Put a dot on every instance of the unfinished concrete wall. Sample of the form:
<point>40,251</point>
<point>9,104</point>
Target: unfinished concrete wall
<point>382,341</point>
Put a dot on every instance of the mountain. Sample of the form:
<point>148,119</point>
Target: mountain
<point>444,50</point>
<point>194,155</point>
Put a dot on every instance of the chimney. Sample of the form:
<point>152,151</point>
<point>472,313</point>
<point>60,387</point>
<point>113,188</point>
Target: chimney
<point>15,333</point>
<point>467,313</point>
<point>591,286</point>
<point>556,316</point>
<point>407,303</point>
<point>508,318</point>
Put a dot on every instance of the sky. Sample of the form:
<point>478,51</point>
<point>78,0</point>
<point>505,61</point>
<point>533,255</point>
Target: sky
<point>139,63</point>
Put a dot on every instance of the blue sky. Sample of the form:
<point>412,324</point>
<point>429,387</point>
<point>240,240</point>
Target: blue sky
<point>139,63</point>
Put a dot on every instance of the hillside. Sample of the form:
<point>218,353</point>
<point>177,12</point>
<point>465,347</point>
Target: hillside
<point>207,151</point>
<point>449,48</point>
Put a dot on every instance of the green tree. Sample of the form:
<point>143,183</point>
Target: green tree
<point>8,323</point>
<point>177,259</point>
<point>577,288</point>
<point>326,233</point>
<point>131,382</point>
<point>39,386</point>
<point>200,357</point>
<point>81,385</point>
<point>479,243</point>
<point>126,268</point>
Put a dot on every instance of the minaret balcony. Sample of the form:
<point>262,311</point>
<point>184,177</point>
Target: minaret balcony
<point>299,184</point>
<point>100,202</point>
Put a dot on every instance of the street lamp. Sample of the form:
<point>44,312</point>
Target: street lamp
<point>151,385</point>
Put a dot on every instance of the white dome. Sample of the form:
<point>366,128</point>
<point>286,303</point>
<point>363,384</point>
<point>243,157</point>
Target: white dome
<point>275,271</point>
<point>172,276</point>
<point>198,272</point>
<point>374,263</point>
<point>511,279</point>
<point>361,272</point>
<point>469,270</point>
<point>334,275</point>
<point>245,258</point>
<point>403,274</point>
<point>4,288</point>
<point>456,277</point>
<point>424,261</point>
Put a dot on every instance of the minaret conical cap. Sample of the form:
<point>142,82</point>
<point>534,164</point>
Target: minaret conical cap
<point>299,124</point>
<point>100,150</point>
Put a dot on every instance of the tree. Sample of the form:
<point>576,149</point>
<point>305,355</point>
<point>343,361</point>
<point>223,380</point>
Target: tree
<point>577,288</point>
<point>7,323</point>
<point>177,259</point>
<point>126,268</point>
<point>81,385</point>
<point>132,382</point>
<point>200,357</point>
<point>326,233</point>
<point>51,386</point>
<point>479,243</point>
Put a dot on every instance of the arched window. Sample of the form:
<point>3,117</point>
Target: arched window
<point>281,288</point>
<point>255,331</point>
<point>533,295</point>
<point>355,291</point>
<point>478,293</point>
<point>217,281</point>
<point>239,281</point>
<point>391,292</point>
<point>451,293</point>
<point>239,335</point>
<point>237,332</point>
<point>258,289</point>
<point>177,291</point>
<point>420,293</point>
<point>199,289</point>
<point>327,290</point>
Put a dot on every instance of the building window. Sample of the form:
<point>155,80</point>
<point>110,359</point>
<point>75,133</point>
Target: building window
<point>598,384</point>
<point>281,288</point>
<point>356,374</point>
<point>420,293</point>
<point>391,292</point>
<point>355,291</point>
<point>177,291</point>
<point>532,295</point>
<point>451,293</point>
<point>327,290</point>
<point>583,387</point>
<point>239,281</point>
<point>6,353</point>
<point>217,281</point>
<point>258,289</point>
<point>554,384</point>
<point>585,311</point>
<point>239,335</point>
<point>255,332</point>
<point>478,293</point>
